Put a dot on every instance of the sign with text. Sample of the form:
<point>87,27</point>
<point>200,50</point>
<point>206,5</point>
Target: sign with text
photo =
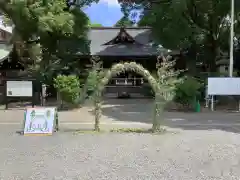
<point>223,86</point>
<point>19,88</point>
<point>39,121</point>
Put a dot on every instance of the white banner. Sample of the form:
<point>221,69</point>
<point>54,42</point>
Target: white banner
<point>39,120</point>
<point>223,86</point>
<point>19,88</point>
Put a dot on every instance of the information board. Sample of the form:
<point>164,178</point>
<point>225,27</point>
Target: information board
<point>39,121</point>
<point>223,86</point>
<point>19,89</point>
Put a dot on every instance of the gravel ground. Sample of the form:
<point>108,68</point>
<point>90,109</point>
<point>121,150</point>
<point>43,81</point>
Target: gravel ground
<point>183,155</point>
<point>204,146</point>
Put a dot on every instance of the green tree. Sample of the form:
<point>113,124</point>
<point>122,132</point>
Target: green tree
<point>96,25</point>
<point>50,25</point>
<point>124,22</point>
<point>200,24</point>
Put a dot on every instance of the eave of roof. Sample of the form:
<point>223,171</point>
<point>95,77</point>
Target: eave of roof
<point>4,27</point>
<point>4,51</point>
<point>122,37</point>
<point>100,36</point>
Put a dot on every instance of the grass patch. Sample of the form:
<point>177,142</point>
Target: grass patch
<point>83,131</point>
<point>120,130</point>
<point>89,131</point>
<point>138,130</point>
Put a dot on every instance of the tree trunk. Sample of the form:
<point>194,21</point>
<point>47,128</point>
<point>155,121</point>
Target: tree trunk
<point>191,66</point>
<point>158,113</point>
<point>97,117</point>
<point>214,51</point>
<point>98,111</point>
<point>191,59</point>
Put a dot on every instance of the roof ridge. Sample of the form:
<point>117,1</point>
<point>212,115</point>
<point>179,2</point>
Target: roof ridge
<point>120,33</point>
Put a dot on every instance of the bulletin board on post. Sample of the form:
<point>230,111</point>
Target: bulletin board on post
<point>223,86</point>
<point>40,121</point>
<point>19,89</point>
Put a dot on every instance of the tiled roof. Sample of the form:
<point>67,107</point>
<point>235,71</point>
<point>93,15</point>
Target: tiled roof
<point>4,51</point>
<point>5,28</point>
<point>101,35</point>
<point>4,48</point>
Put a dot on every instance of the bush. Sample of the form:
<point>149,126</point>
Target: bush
<point>93,79</point>
<point>68,87</point>
<point>188,91</point>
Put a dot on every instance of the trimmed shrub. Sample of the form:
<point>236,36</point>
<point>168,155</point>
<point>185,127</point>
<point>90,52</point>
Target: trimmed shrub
<point>188,92</point>
<point>68,87</point>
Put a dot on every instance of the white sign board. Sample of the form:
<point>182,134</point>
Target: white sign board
<point>19,88</point>
<point>223,86</point>
<point>39,121</point>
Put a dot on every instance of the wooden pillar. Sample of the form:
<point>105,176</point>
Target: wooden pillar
<point>44,95</point>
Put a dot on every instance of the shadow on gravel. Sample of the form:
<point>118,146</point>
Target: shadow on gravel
<point>140,110</point>
<point>16,105</point>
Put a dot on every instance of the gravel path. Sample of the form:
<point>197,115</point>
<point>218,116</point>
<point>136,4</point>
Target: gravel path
<point>205,146</point>
<point>184,155</point>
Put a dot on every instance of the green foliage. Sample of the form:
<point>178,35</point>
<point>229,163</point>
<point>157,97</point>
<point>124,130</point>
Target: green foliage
<point>163,85</point>
<point>165,20</point>
<point>188,91</point>
<point>113,71</point>
<point>167,78</point>
<point>137,130</point>
<point>94,76</point>
<point>202,24</point>
<point>124,22</point>
<point>68,87</point>
<point>91,24</point>
<point>93,80</point>
<point>96,25</point>
<point>58,31</point>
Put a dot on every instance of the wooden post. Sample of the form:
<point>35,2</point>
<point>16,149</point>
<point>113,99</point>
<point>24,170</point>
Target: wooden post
<point>56,128</point>
<point>59,101</point>
<point>33,96</point>
<point>44,94</point>
<point>212,103</point>
<point>6,95</point>
<point>24,120</point>
<point>238,105</point>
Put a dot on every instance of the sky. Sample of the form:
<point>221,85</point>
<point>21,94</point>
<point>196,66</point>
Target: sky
<point>106,12</point>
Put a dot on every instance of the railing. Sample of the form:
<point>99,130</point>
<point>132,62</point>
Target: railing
<point>133,86</point>
<point>127,82</point>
